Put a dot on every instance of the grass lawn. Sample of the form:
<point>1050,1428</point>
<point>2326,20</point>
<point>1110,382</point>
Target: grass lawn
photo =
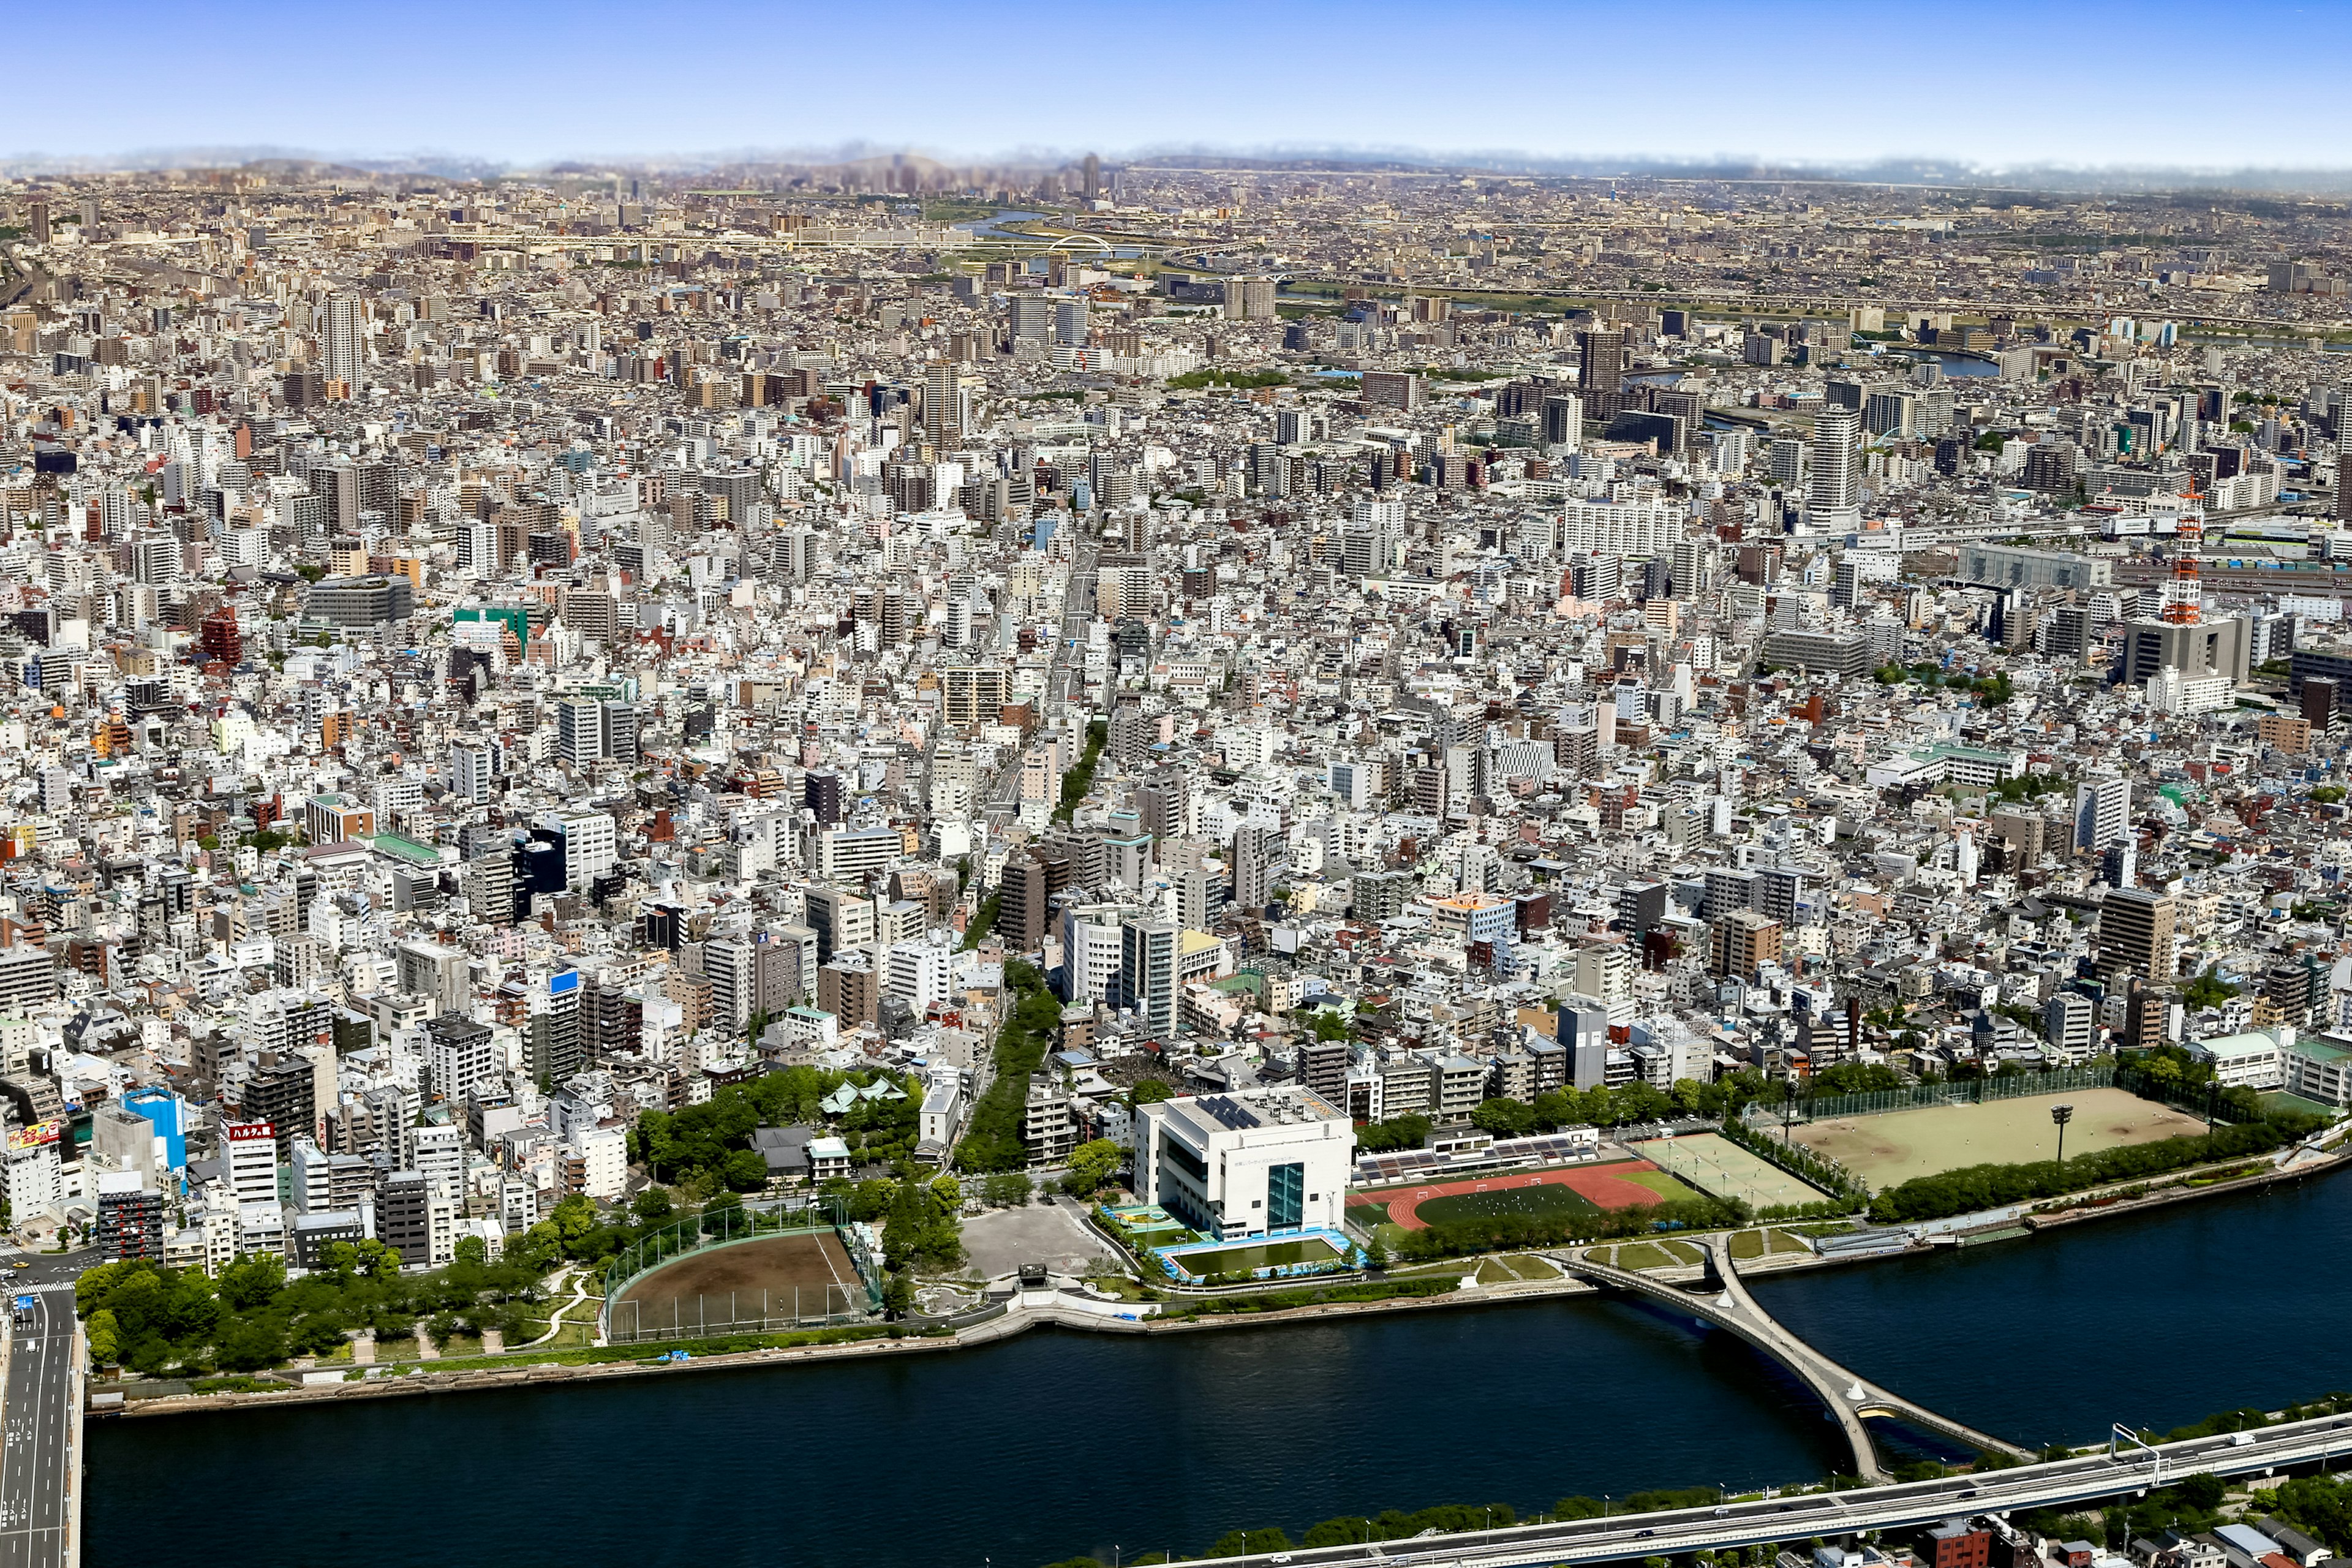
<point>1659,1182</point>
<point>1659,1255</point>
<point>1747,1246</point>
<point>1550,1201</point>
<point>571,1333</point>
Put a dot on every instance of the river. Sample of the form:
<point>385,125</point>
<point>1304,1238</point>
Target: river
<point>1058,1444</point>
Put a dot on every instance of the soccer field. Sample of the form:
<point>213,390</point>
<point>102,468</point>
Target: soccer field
<point>1894,1147</point>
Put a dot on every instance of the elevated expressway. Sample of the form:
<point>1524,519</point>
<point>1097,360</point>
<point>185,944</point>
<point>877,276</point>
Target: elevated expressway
<point>2134,1467</point>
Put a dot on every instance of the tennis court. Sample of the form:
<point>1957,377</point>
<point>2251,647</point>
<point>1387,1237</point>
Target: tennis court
<point>1720,1168</point>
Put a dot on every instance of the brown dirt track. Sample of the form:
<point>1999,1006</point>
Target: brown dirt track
<point>778,1265</point>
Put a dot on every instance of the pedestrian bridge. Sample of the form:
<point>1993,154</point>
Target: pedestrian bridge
<point>1723,1299</point>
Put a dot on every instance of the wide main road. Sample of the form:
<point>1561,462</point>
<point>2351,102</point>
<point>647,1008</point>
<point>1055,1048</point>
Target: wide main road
<point>37,1462</point>
<point>2132,1470</point>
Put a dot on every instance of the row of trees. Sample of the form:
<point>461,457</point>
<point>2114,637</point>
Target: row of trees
<point>991,1136</point>
<point>156,1320</point>
<point>1801,1161</point>
<point>1600,1106</point>
<point>1975,1187</point>
<point>1513,1231</point>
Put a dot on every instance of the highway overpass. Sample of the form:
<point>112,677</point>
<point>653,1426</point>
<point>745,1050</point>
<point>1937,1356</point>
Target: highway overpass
<point>2132,1469</point>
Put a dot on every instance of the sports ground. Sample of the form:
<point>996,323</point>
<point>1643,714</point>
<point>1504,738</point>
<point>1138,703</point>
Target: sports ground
<point>1720,1168</point>
<point>1579,1189</point>
<point>1899,1144</point>
<point>805,1275</point>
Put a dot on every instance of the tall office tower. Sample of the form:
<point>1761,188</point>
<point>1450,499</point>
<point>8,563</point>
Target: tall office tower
<point>2135,936</point>
<point>1070,322</point>
<point>1601,361</point>
<point>1090,177</point>
<point>2102,811</point>
<point>1833,502</point>
<point>345,339</point>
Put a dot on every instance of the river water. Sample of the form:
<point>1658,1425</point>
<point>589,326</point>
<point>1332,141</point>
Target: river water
<point>1058,1444</point>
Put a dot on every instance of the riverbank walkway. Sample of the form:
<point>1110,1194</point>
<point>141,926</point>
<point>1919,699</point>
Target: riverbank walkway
<point>1848,1398</point>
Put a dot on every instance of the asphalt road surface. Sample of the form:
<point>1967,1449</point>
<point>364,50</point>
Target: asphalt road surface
<point>38,1413</point>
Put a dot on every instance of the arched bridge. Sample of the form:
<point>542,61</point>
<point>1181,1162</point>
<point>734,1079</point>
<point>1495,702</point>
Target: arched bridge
<point>1849,1398</point>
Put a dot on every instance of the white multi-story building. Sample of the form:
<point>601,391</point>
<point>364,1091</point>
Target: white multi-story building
<point>604,1162</point>
<point>917,974</point>
<point>252,1151</point>
<point>590,845</point>
<point>1254,1162</point>
<point>2102,811</point>
<point>2255,1059</point>
<point>1640,529</point>
<point>35,1183</point>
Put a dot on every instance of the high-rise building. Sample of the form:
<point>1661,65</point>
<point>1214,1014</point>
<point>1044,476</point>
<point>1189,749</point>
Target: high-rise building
<point>1249,300</point>
<point>2102,812</point>
<point>1744,940</point>
<point>2135,936</point>
<point>730,967</point>
<point>344,338</point>
<point>1021,903</point>
<point>580,730</point>
<point>129,1217</point>
<point>1600,362</point>
<point>1252,874</point>
<point>472,764</point>
<point>1833,497</point>
<point>1147,976</point>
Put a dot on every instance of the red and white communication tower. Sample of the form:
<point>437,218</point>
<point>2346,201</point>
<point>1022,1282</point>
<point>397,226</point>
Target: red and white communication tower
<point>2183,594</point>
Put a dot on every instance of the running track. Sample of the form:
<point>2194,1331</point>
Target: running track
<point>1600,1187</point>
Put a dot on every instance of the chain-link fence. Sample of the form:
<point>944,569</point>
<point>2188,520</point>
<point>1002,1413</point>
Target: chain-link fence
<point>716,1315</point>
<point>628,1320</point>
<point>1966,1091</point>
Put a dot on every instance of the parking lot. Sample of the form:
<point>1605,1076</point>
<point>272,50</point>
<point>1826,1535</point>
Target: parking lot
<point>1000,1241</point>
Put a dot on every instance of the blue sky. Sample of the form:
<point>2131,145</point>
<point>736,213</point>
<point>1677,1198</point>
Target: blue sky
<point>2003,83</point>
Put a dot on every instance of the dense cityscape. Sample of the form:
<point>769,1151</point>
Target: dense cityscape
<point>611,767</point>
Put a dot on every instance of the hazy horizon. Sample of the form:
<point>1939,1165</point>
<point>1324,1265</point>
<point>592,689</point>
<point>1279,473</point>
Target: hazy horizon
<point>2003,89</point>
